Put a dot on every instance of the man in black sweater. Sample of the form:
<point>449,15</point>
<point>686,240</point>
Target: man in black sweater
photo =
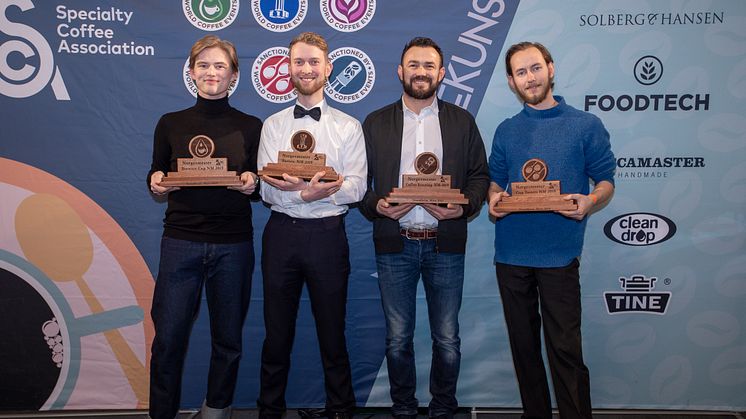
<point>207,236</point>
<point>424,240</point>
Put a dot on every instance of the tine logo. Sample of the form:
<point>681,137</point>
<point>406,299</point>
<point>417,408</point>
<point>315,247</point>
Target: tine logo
<point>30,75</point>
<point>638,297</point>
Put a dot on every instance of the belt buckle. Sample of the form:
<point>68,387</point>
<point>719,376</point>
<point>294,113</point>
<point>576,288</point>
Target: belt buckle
<point>422,234</point>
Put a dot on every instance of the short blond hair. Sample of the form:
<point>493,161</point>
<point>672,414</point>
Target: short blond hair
<point>311,38</point>
<point>212,41</point>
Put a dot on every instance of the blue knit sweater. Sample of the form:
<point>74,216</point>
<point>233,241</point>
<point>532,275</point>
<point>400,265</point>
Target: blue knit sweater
<point>575,145</point>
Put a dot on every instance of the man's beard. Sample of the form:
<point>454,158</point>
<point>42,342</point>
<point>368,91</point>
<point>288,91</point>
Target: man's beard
<point>311,89</point>
<point>539,97</point>
<point>420,94</point>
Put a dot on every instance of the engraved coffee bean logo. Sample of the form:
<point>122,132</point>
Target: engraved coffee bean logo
<point>426,163</point>
<point>534,170</point>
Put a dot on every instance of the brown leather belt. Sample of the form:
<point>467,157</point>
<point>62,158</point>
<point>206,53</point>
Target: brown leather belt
<point>419,233</point>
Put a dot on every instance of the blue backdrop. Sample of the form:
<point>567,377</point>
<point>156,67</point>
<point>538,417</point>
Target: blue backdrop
<point>82,85</point>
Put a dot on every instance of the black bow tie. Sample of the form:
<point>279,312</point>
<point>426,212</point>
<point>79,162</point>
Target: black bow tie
<point>300,112</point>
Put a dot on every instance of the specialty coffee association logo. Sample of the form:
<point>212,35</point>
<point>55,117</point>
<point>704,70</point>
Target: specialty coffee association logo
<point>639,229</point>
<point>638,296</point>
<point>270,75</point>
<point>26,60</point>
<point>347,15</point>
<point>353,75</point>
<point>648,70</point>
<point>279,15</point>
<point>192,87</point>
<point>210,15</point>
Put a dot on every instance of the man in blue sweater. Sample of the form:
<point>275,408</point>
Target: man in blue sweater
<point>537,253</point>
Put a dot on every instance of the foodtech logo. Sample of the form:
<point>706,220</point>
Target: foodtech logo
<point>648,71</point>
<point>638,296</point>
<point>26,59</point>
<point>640,229</point>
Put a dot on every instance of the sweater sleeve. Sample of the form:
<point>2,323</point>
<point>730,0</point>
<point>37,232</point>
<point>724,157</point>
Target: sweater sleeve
<point>251,144</point>
<point>498,162</point>
<point>161,150</point>
<point>600,163</point>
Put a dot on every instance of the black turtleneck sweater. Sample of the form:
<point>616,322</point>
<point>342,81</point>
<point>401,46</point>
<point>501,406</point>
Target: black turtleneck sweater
<point>213,214</point>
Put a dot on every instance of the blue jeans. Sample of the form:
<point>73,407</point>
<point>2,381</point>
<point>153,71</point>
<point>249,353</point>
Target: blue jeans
<point>225,272</point>
<point>443,277</point>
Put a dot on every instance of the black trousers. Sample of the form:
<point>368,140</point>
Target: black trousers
<point>556,291</point>
<point>315,252</point>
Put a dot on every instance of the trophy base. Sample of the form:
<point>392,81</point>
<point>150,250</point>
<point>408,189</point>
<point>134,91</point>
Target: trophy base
<point>303,171</point>
<point>535,204</point>
<point>180,179</point>
<point>429,196</point>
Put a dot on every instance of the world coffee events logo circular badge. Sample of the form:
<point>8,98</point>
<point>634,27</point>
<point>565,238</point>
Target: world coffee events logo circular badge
<point>347,15</point>
<point>270,75</point>
<point>279,15</point>
<point>210,15</point>
<point>353,75</point>
<point>189,83</point>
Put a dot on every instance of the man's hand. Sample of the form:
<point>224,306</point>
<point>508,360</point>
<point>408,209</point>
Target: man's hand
<point>585,203</point>
<point>249,183</point>
<point>316,189</point>
<point>394,212</point>
<point>155,184</point>
<point>287,183</point>
<point>494,199</point>
<point>444,213</point>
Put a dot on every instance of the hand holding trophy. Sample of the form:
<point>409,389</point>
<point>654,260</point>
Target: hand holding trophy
<point>201,169</point>
<point>302,162</point>
<point>535,194</point>
<point>426,187</point>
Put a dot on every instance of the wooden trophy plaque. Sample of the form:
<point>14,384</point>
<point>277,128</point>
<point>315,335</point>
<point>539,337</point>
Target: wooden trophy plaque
<point>535,194</point>
<point>302,163</point>
<point>201,169</point>
<point>426,187</point>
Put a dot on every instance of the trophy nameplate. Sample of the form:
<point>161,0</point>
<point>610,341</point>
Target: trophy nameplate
<point>302,163</point>
<point>426,187</point>
<point>201,169</point>
<point>535,194</point>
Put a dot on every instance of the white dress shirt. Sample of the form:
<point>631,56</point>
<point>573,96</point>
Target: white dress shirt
<point>421,133</point>
<point>339,136</point>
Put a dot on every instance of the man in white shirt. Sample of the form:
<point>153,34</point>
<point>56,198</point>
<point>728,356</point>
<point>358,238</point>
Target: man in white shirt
<point>425,241</point>
<point>304,240</point>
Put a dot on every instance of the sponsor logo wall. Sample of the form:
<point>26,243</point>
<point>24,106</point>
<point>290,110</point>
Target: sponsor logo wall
<point>82,85</point>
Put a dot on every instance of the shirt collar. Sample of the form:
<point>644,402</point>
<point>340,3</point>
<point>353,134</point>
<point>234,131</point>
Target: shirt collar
<point>431,109</point>
<point>321,104</point>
